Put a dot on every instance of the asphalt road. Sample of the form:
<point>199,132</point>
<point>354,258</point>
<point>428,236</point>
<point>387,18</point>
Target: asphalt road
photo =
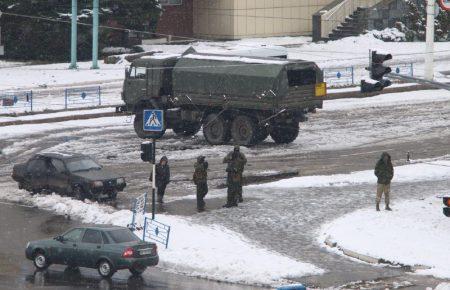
<point>19,224</point>
<point>331,142</point>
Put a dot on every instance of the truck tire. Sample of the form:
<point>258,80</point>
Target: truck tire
<point>216,129</point>
<point>139,128</point>
<point>285,133</point>
<point>187,130</point>
<point>263,133</point>
<point>244,130</point>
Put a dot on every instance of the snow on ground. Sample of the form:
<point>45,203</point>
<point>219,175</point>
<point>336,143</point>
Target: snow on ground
<point>7,132</point>
<point>32,76</point>
<point>212,252</point>
<point>56,115</point>
<point>431,170</point>
<point>395,99</point>
<point>415,233</point>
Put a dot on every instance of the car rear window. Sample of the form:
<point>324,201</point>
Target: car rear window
<point>122,236</point>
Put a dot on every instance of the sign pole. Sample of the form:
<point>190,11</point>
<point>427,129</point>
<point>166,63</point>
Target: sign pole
<point>95,34</point>
<point>153,179</point>
<point>429,52</point>
<point>73,42</point>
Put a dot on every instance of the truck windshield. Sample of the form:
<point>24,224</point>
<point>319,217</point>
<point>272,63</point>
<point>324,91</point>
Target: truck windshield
<point>122,236</point>
<point>82,165</point>
<point>137,72</point>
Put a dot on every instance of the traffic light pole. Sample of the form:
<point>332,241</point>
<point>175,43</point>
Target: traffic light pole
<point>153,178</point>
<point>429,52</point>
<point>73,41</point>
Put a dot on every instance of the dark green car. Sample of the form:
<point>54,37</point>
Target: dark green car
<point>107,249</point>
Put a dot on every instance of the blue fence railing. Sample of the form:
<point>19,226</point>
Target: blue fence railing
<point>156,231</point>
<point>345,76</point>
<point>17,99</point>
<point>336,77</point>
<point>75,97</point>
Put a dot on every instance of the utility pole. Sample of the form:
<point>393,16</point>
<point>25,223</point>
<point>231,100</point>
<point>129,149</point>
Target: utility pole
<point>95,35</point>
<point>73,43</point>
<point>429,52</point>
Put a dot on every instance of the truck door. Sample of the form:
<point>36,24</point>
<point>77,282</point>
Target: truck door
<point>135,84</point>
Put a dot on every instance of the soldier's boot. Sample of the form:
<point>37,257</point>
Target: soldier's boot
<point>388,208</point>
<point>378,206</point>
<point>160,199</point>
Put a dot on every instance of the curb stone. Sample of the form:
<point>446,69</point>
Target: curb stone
<point>369,259</point>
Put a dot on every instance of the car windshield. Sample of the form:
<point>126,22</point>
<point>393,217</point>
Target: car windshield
<point>123,236</point>
<point>82,165</point>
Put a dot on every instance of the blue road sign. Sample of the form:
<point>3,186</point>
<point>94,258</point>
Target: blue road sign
<point>153,120</point>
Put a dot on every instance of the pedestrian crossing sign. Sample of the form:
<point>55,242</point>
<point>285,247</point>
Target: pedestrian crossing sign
<point>153,120</point>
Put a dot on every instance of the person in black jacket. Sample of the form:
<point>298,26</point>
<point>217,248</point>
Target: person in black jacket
<point>162,177</point>
<point>384,171</point>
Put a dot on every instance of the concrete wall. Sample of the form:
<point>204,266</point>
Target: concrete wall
<point>233,19</point>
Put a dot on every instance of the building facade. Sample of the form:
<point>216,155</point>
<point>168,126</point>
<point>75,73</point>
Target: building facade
<point>235,19</point>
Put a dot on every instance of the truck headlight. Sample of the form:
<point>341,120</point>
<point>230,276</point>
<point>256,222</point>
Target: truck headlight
<point>97,184</point>
<point>120,180</point>
<point>27,246</point>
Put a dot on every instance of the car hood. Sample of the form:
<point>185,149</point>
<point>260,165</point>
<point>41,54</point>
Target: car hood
<point>94,175</point>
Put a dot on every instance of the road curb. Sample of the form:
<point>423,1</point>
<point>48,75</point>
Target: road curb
<point>371,260</point>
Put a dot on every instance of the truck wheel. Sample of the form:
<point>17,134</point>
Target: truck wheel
<point>216,129</point>
<point>139,128</point>
<point>285,133</point>
<point>263,133</point>
<point>244,130</point>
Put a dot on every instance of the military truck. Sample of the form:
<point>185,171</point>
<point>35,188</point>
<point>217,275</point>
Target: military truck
<point>235,99</point>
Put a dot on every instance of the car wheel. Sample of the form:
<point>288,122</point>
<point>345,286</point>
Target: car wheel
<point>105,269</point>
<point>137,270</point>
<point>78,193</point>
<point>40,260</point>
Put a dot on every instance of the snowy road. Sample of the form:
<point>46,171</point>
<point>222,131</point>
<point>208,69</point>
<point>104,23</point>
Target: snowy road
<point>347,135</point>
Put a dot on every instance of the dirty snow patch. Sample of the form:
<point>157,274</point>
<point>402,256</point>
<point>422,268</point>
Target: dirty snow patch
<point>212,252</point>
<point>433,170</point>
<point>415,233</point>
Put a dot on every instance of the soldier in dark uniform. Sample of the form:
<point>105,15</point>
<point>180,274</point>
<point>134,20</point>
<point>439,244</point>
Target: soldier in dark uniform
<point>201,181</point>
<point>162,177</point>
<point>235,167</point>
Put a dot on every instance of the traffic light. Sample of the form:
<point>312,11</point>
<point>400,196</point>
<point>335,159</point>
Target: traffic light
<point>377,71</point>
<point>446,209</point>
<point>147,152</point>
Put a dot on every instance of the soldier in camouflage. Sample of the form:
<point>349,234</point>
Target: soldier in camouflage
<point>201,181</point>
<point>384,171</point>
<point>235,167</point>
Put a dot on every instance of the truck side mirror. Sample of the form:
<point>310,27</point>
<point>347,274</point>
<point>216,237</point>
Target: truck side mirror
<point>59,239</point>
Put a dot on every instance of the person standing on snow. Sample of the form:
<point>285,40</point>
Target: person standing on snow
<point>384,171</point>
<point>201,181</point>
<point>235,161</point>
<point>162,177</point>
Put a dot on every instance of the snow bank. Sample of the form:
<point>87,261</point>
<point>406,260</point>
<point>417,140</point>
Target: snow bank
<point>415,233</point>
<point>212,252</point>
<point>388,100</point>
<point>435,170</point>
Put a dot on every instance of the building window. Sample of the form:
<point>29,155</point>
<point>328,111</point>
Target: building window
<point>170,2</point>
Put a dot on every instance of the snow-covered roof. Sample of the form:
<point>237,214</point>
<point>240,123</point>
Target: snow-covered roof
<point>235,58</point>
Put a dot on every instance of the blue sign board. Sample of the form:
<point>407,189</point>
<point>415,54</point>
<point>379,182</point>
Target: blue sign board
<point>153,120</point>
